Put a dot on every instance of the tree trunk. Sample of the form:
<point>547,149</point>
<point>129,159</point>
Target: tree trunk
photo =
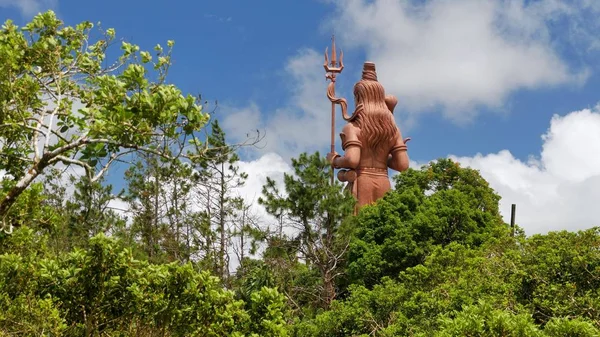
<point>177,226</point>
<point>222,223</point>
<point>242,235</point>
<point>328,289</point>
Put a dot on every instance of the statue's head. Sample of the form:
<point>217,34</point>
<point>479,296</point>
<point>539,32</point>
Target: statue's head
<point>368,91</point>
<point>374,111</point>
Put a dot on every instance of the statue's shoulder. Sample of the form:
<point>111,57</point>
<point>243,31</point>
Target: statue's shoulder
<point>350,129</point>
<point>349,135</point>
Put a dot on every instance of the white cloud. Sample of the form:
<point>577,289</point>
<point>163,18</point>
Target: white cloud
<point>121,207</point>
<point>561,189</point>
<point>29,7</point>
<point>460,54</point>
<point>270,165</point>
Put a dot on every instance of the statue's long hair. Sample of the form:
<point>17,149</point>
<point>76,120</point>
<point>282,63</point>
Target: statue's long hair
<point>378,129</point>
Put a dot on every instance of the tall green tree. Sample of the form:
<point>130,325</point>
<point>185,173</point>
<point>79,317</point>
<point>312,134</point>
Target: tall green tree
<point>182,217</point>
<point>219,176</point>
<point>246,232</point>
<point>315,210</point>
<point>144,191</point>
<point>161,199</point>
<point>61,104</point>
<point>189,210</point>
<point>436,205</point>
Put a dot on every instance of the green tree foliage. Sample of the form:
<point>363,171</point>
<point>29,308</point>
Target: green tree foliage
<point>149,181</point>
<point>437,205</point>
<point>562,275</point>
<point>90,202</point>
<point>219,176</point>
<point>60,104</point>
<point>315,209</point>
<point>492,290</point>
<point>32,208</point>
<point>104,290</point>
<point>87,212</point>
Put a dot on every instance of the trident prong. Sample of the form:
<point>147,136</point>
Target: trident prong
<point>332,68</point>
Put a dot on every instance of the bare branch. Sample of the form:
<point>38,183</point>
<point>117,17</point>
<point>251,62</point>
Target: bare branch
<point>113,158</point>
<point>68,160</point>
<point>51,123</point>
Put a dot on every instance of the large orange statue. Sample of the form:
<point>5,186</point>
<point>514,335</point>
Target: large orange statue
<point>371,140</point>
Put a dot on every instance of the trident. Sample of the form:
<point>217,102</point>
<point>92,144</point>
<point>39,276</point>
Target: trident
<point>332,68</point>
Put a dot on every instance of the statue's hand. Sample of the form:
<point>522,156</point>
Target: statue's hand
<point>331,157</point>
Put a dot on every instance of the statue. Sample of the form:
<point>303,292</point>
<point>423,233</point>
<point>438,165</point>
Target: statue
<point>371,140</point>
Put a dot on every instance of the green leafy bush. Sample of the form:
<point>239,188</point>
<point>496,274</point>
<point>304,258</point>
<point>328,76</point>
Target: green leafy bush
<point>437,205</point>
<point>104,290</point>
<point>546,285</point>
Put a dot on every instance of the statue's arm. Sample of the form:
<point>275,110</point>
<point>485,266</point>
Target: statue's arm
<point>398,159</point>
<point>351,146</point>
<point>350,159</point>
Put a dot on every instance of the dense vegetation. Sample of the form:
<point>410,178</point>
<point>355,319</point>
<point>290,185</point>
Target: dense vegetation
<point>187,256</point>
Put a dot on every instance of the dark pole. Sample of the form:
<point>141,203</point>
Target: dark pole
<point>512,218</point>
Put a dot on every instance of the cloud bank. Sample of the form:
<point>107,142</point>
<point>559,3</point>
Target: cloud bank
<point>460,55</point>
<point>560,189</point>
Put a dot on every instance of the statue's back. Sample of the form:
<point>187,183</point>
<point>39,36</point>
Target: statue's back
<point>371,140</point>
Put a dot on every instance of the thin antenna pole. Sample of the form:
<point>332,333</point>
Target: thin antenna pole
<point>513,210</point>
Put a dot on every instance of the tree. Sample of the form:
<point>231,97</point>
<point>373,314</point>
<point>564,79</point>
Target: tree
<point>160,198</point>
<point>219,176</point>
<point>315,209</point>
<point>544,285</point>
<point>34,208</point>
<point>60,104</point>
<point>144,195</point>
<point>437,205</point>
<point>185,210</point>
<point>246,228</point>
<point>178,179</point>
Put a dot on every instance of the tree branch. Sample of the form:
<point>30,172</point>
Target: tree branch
<point>73,161</point>
<point>51,122</point>
<point>103,170</point>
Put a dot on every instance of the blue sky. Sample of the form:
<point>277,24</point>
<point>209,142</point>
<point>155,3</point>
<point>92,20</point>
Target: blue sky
<point>479,81</point>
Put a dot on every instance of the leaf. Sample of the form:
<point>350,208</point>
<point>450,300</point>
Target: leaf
<point>110,33</point>
<point>146,57</point>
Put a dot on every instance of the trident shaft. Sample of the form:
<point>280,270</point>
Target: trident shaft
<point>332,68</point>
